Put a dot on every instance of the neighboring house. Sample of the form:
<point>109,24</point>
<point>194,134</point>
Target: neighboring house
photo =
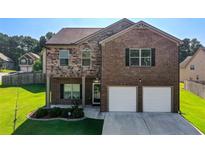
<point>126,66</point>
<point>6,62</point>
<point>27,60</point>
<point>193,67</point>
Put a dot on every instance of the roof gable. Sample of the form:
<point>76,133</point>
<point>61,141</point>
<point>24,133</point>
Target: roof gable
<point>142,24</point>
<point>5,58</point>
<point>184,64</point>
<point>106,28</point>
<point>67,36</point>
<point>32,55</point>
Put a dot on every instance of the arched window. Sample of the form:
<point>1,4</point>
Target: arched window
<point>86,54</point>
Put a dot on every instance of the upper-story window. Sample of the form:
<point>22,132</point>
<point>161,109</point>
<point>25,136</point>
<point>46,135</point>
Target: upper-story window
<point>140,57</point>
<point>30,61</point>
<point>64,56</point>
<point>192,67</point>
<point>23,61</point>
<point>86,53</point>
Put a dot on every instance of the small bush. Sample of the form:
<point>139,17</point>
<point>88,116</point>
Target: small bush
<point>77,112</point>
<point>55,112</point>
<point>40,113</point>
<point>64,112</point>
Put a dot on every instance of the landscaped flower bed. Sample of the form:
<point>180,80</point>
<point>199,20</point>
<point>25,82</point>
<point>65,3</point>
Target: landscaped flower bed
<point>49,113</point>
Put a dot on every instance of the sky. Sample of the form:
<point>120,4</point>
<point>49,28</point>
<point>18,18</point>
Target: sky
<point>36,27</point>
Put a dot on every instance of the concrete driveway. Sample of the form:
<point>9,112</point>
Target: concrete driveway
<point>122,123</point>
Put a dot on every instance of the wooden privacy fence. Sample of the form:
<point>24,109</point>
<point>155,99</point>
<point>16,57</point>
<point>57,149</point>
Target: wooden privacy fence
<point>23,78</point>
<point>195,87</point>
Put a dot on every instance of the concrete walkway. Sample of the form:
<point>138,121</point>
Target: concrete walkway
<point>123,123</point>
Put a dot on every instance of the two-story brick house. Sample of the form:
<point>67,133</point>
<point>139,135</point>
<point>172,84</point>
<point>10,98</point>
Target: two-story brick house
<point>126,66</point>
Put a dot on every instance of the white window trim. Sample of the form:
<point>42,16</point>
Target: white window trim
<point>64,58</point>
<point>86,49</point>
<point>140,57</point>
<point>71,90</point>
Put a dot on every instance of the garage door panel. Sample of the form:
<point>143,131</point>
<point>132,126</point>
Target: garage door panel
<point>122,99</point>
<point>157,99</point>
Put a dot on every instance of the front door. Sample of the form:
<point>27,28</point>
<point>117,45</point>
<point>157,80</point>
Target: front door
<point>96,93</point>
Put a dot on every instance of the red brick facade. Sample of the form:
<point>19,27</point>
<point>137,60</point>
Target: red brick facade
<point>108,64</point>
<point>164,73</point>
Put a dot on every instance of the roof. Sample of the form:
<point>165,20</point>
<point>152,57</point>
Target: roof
<point>104,29</point>
<point>35,56</point>
<point>145,25</point>
<point>32,55</point>
<point>190,58</point>
<point>71,35</point>
<point>5,58</point>
<point>185,62</point>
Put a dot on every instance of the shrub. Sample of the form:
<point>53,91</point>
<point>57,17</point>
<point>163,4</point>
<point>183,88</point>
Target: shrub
<point>64,112</point>
<point>37,66</point>
<point>40,113</point>
<point>55,112</point>
<point>77,112</point>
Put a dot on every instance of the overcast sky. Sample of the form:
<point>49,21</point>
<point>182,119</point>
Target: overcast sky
<point>35,27</point>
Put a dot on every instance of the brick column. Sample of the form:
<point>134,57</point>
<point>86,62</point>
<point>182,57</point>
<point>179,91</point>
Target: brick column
<point>47,91</point>
<point>83,91</point>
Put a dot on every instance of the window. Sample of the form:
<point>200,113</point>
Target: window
<point>140,57</point>
<point>72,91</point>
<point>192,67</point>
<point>30,61</point>
<point>23,61</point>
<point>64,56</point>
<point>86,57</point>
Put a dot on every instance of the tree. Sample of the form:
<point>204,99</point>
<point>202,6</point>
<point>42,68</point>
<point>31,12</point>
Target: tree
<point>37,65</point>
<point>49,35</point>
<point>188,48</point>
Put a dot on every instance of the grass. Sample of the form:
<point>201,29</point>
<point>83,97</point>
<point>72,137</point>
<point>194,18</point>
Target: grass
<point>30,98</point>
<point>57,127</point>
<point>6,71</point>
<point>192,108</point>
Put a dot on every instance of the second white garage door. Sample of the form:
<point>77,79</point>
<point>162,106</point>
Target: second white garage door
<point>122,99</point>
<point>156,99</point>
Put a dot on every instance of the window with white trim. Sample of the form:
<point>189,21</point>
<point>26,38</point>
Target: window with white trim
<point>140,57</point>
<point>64,56</point>
<point>86,53</point>
<point>192,67</point>
<point>23,61</point>
<point>72,91</point>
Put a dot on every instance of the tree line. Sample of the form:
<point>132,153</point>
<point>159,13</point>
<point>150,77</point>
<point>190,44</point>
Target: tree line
<point>16,46</point>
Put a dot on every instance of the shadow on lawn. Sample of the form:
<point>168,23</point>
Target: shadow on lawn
<point>33,88</point>
<point>58,127</point>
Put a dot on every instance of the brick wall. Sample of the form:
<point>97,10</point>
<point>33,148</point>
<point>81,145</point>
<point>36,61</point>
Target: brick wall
<point>164,73</point>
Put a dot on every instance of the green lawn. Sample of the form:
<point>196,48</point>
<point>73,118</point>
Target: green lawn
<point>6,71</point>
<point>192,108</point>
<point>30,98</point>
<point>57,127</point>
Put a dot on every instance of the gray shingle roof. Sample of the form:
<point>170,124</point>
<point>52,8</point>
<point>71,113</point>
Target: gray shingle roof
<point>5,58</point>
<point>71,35</point>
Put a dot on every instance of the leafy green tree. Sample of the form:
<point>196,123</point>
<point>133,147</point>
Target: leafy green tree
<point>37,65</point>
<point>188,48</point>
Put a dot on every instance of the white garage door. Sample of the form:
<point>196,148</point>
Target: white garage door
<point>122,99</point>
<point>156,99</point>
